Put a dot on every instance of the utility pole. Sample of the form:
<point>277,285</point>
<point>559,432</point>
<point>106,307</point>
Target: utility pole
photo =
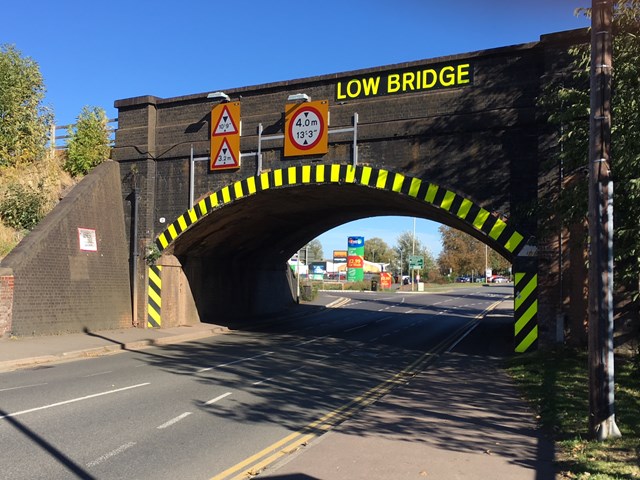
<point>602,423</point>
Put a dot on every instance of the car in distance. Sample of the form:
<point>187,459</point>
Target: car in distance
<point>499,279</point>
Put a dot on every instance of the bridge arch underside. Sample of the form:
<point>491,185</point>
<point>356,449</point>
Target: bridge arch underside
<point>234,244</point>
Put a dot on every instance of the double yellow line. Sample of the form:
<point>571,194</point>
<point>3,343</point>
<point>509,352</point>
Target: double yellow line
<point>256,463</point>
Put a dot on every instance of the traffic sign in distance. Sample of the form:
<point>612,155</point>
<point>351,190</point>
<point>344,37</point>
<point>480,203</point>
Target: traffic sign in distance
<point>306,128</point>
<point>416,261</point>
<point>225,136</point>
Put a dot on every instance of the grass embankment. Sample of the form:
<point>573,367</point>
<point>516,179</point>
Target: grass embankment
<point>46,179</point>
<point>556,383</point>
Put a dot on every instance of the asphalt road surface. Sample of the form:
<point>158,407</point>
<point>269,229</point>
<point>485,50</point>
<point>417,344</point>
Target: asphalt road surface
<point>215,407</point>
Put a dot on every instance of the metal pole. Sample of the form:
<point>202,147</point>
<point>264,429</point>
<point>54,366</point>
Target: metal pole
<point>191,178</point>
<point>260,130</point>
<point>355,139</point>
<point>486,262</point>
<point>602,424</point>
<point>413,252</point>
<point>134,260</point>
<point>298,277</point>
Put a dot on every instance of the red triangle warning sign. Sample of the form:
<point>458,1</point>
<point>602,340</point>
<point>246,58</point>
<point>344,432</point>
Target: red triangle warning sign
<point>226,124</point>
<point>226,157</point>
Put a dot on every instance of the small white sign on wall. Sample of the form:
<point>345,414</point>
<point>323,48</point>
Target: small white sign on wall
<point>87,238</point>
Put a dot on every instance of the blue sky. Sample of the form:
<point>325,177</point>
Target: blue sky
<point>95,53</point>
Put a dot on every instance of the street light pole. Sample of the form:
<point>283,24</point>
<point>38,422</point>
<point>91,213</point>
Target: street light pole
<point>602,423</point>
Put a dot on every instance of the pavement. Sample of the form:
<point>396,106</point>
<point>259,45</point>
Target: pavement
<point>448,422</point>
<point>20,352</point>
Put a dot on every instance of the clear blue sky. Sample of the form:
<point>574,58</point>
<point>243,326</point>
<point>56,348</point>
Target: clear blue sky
<point>93,53</point>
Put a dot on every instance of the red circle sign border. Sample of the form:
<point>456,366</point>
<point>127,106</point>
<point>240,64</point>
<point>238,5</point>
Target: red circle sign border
<point>291,124</point>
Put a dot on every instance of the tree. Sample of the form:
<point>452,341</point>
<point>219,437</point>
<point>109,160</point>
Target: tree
<point>314,252</point>
<point>88,143</point>
<point>376,250</point>
<point>407,245</point>
<point>464,255</point>
<point>566,101</point>
<point>24,122</point>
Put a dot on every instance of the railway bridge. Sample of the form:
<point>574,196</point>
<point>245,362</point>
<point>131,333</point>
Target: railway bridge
<point>221,188</point>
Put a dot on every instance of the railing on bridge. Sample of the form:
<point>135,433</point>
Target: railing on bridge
<point>58,134</point>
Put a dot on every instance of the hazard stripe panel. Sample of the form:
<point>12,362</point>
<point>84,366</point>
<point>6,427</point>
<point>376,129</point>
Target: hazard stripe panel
<point>480,219</point>
<point>525,311</point>
<point>154,304</point>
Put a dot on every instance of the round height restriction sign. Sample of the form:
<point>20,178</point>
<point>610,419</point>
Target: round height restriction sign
<point>307,130</point>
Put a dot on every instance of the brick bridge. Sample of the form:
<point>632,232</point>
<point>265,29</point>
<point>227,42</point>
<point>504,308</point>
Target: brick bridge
<point>458,140</point>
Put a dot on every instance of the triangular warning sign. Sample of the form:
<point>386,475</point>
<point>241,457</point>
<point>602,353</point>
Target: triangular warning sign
<point>226,124</point>
<point>225,157</point>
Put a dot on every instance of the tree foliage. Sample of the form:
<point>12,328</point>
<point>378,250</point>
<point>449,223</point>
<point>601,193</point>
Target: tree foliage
<point>313,250</point>
<point>566,101</point>
<point>464,255</point>
<point>24,122</point>
<point>377,250</point>
<point>88,143</point>
<point>22,207</point>
<point>405,247</point>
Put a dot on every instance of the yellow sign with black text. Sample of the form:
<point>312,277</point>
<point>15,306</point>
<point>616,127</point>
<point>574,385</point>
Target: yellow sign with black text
<point>306,128</point>
<point>225,136</point>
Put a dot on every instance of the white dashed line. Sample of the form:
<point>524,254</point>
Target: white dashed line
<point>22,386</point>
<point>206,369</point>
<point>73,400</point>
<point>219,397</point>
<point>174,420</point>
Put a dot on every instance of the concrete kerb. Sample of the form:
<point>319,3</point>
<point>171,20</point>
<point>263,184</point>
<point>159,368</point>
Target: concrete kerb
<point>110,349</point>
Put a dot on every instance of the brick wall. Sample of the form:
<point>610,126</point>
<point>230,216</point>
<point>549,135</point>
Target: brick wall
<point>6,301</point>
<point>59,287</point>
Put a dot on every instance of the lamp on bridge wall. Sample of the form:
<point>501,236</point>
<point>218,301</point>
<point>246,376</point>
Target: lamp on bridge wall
<point>299,97</point>
<point>219,95</point>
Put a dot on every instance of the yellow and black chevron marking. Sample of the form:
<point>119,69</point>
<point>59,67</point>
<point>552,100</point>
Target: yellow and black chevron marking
<point>476,216</point>
<point>525,311</point>
<point>154,305</point>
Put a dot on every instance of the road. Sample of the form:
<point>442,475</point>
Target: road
<point>200,410</point>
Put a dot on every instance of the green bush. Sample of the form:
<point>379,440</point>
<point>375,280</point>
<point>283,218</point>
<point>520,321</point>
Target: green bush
<point>22,207</point>
<point>360,286</point>
<point>88,143</point>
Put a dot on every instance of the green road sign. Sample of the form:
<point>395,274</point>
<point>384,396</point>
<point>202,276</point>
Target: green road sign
<point>416,261</point>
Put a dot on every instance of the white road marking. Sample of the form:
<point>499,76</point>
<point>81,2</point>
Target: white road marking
<point>174,420</point>
<point>259,382</point>
<point>112,453</point>
<point>219,397</point>
<point>206,369</point>
<point>355,328</point>
<point>23,386</point>
<point>311,341</point>
<point>73,400</point>
<point>96,374</point>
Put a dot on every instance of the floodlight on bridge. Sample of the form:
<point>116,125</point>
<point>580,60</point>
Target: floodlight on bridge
<point>221,95</point>
<point>299,97</point>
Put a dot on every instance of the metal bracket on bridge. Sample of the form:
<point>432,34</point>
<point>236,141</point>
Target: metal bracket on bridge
<point>267,138</point>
